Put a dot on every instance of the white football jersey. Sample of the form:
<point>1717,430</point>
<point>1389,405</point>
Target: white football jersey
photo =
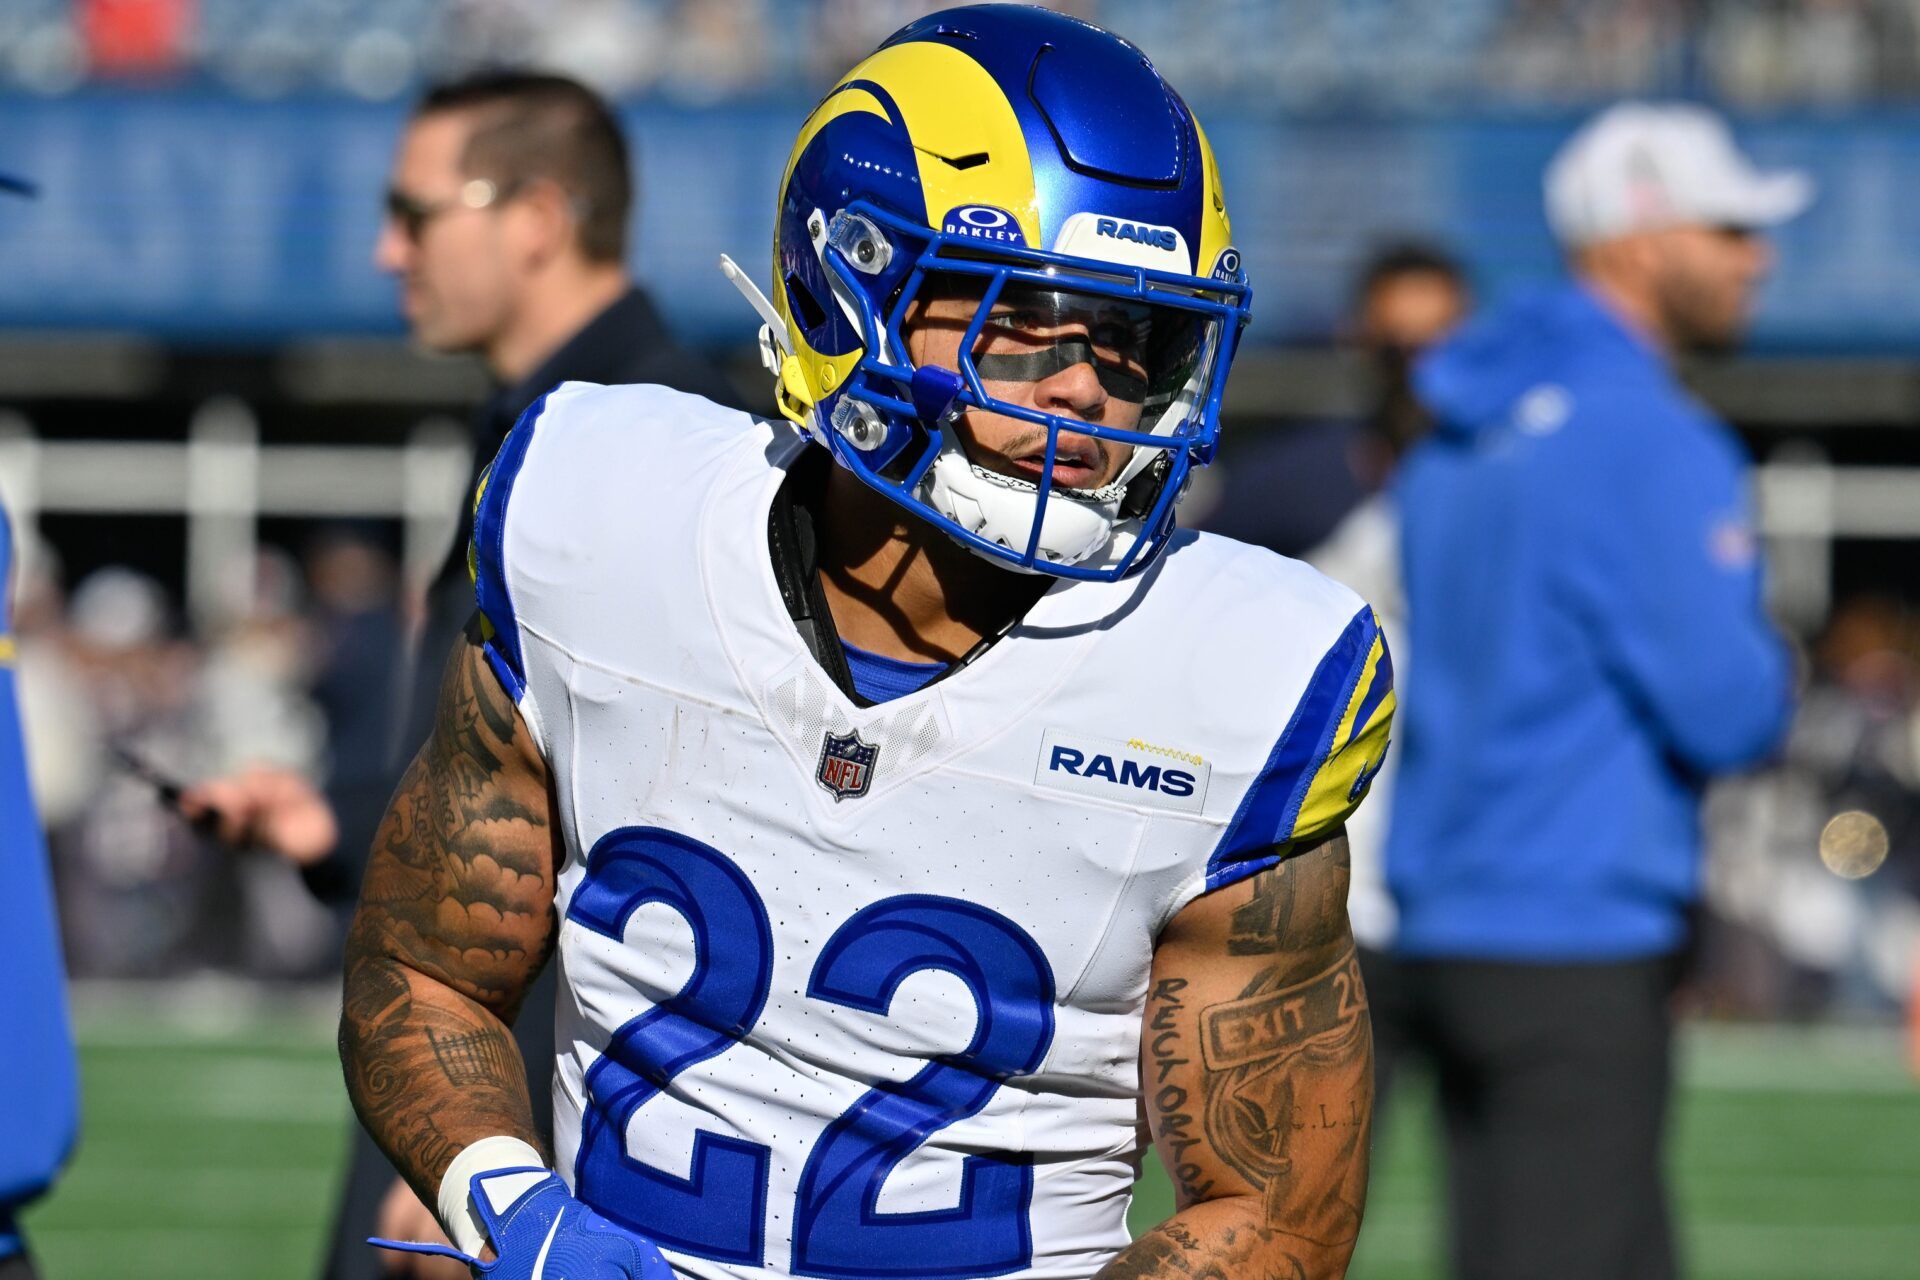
<point>857,992</point>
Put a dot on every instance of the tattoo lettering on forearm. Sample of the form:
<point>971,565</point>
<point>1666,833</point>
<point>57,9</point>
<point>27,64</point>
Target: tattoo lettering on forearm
<point>1238,1253</point>
<point>1182,1237</point>
<point>1287,1065</point>
<point>1173,1112</point>
<point>1256,1019</point>
<point>1271,1026</point>
<point>425,1147</point>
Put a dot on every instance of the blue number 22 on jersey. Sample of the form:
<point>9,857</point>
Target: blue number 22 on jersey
<point>719,1211</point>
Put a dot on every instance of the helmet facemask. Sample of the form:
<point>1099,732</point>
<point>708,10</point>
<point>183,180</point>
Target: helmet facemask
<point>1089,491</point>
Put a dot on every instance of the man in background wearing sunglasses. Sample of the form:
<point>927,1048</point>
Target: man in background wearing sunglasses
<point>507,216</point>
<point>1583,594</point>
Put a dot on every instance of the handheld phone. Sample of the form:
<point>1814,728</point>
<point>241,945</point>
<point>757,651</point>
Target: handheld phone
<point>167,787</point>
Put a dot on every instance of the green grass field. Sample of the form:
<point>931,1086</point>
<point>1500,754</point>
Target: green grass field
<point>213,1126</point>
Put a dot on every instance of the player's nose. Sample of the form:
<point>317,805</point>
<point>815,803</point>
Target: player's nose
<point>1074,391</point>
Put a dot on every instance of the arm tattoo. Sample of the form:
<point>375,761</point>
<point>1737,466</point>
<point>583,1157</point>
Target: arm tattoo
<point>455,920</point>
<point>1286,1065</point>
<point>1257,1070</point>
<point>1236,1253</point>
<point>473,1058</point>
<point>1279,919</point>
<point>1173,1108</point>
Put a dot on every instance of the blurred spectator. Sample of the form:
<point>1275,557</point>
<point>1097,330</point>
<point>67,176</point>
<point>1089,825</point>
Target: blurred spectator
<point>1290,488</point>
<point>1583,597</point>
<point>63,741</point>
<point>1321,491</point>
<point>1857,729</point>
<point>38,1075</point>
<point>719,49</point>
<point>1791,933</point>
<point>351,643</point>
<point>618,47</point>
<point>141,895</point>
<point>253,707</point>
<point>1410,297</point>
<point>134,885</point>
<point>253,710</point>
<point>354,587</point>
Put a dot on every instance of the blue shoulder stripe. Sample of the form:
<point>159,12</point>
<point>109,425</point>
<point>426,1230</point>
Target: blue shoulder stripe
<point>1271,806</point>
<point>487,556</point>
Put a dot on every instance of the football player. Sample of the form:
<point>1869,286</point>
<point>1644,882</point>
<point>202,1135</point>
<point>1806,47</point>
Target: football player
<point>921,822</point>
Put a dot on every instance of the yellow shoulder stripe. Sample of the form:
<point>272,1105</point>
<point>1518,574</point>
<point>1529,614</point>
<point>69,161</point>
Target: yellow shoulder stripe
<point>1357,753</point>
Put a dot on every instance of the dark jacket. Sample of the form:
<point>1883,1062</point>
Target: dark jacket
<point>626,343</point>
<point>1583,594</point>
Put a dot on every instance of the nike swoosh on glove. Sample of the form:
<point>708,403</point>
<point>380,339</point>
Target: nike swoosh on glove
<point>546,1234</point>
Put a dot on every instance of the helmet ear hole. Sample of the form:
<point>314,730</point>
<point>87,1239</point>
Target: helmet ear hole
<point>803,304</point>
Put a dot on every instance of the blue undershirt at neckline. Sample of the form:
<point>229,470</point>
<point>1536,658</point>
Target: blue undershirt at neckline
<point>878,678</point>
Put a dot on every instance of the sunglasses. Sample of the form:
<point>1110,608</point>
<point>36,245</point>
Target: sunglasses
<point>413,215</point>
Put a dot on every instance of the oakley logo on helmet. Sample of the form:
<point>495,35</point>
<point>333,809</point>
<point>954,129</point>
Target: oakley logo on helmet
<point>1153,237</point>
<point>1227,265</point>
<point>967,229</point>
<point>983,222</point>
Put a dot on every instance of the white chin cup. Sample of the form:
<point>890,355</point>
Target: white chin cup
<point>1079,525</point>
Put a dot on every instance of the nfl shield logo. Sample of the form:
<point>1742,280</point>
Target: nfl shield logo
<point>846,766</point>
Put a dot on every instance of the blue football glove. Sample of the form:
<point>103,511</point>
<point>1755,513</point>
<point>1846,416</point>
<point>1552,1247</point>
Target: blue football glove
<point>546,1234</point>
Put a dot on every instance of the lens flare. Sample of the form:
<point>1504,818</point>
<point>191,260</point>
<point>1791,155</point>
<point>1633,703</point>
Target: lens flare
<point>1853,844</point>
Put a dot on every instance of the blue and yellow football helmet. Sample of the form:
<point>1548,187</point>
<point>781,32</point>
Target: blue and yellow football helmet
<point>1022,161</point>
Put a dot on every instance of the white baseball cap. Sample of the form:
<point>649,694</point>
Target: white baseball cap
<point>1640,166</point>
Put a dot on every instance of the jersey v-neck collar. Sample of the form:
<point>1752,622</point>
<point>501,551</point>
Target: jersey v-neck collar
<point>793,557</point>
<point>768,652</point>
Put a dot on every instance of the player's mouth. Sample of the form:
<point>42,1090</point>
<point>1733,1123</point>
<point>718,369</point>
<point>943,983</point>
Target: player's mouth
<point>1077,464</point>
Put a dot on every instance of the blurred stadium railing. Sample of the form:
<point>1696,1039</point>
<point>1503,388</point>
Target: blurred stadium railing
<point>221,482</point>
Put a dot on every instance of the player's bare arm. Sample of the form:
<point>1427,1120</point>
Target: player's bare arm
<point>455,920</point>
<point>1257,1066</point>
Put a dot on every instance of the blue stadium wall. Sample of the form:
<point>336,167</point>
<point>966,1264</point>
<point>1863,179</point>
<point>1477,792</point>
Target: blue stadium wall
<point>206,219</point>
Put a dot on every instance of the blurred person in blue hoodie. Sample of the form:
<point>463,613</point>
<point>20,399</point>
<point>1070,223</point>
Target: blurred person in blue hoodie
<point>39,1082</point>
<point>1583,589</point>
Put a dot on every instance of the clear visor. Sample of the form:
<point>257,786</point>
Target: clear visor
<point>1140,354</point>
